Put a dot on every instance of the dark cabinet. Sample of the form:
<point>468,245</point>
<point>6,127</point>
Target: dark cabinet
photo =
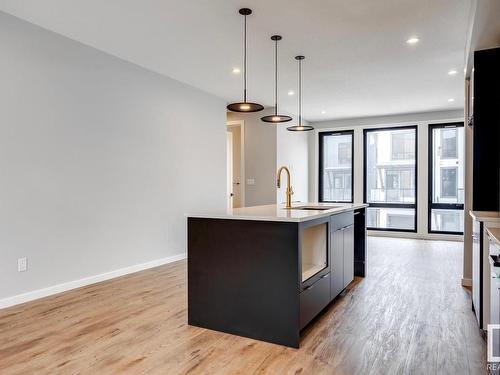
<point>313,299</point>
<point>342,252</point>
<point>360,256</point>
<point>314,250</point>
<point>337,267</point>
<point>320,285</point>
<point>485,112</point>
<point>348,255</point>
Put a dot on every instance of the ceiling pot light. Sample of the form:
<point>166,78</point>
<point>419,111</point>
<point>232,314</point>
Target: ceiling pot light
<point>236,71</point>
<point>413,40</point>
<point>323,112</point>
<point>245,106</point>
<point>300,127</point>
<point>276,119</point>
<point>452,72</point>
<point>291,92</point>
<point>451,100</point>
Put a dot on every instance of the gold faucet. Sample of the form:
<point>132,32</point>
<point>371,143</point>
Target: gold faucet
<point>289,190</point>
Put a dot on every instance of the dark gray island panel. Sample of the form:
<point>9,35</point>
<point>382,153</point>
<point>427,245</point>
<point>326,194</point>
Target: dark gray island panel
<point>243,278</point>
<point>360,257</point>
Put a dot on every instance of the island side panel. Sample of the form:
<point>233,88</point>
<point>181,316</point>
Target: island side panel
<point>243,278</point>
<point>360,254</point>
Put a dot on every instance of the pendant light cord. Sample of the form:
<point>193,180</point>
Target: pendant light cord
<point>300,92</point>
<point>245,63</point>
<point>276,78</point>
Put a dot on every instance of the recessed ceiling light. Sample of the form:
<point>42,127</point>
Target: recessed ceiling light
<point>291,92</point>
<point>413,40</point>
<point>236,71</point>
<point>323,112</point>
<point>452,72</point>
<point>451,100</point>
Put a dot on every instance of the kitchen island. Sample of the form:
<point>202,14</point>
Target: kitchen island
<point>265,272</point>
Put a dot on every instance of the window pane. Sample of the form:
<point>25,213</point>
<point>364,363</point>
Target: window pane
<point>447,220</point>
<point>403,145</point>
<point>448,143</point>
<point>390,162</point>
<point>390,166</point>
<point>337,167</point>
<point>448,171</point>
<point>391,218</point>
<point>447,176</point>
<point>449,183</point>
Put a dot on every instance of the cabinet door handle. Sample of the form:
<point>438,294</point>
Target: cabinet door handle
<point>309,287</point>
<point>325,276</point>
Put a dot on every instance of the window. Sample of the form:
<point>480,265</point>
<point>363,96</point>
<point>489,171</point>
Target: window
<point>449,182</point>
<point>336,166</point>
<point>448,143</point>
<point>403,145</point>
<point>345,154</point>
<point>446,178</point>
<point>390,172</point>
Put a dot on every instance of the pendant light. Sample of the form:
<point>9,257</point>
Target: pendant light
<point>299,127</point>
<point>245,106</point>
<point>276,119</point>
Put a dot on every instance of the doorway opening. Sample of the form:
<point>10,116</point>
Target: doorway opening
<point>235,164</point>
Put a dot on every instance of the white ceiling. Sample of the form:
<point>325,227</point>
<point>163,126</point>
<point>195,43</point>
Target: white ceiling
<point>357,62</point>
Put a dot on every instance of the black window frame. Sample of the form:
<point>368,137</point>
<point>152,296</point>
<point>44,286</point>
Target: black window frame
<point>439,206</point>
<point>392,205</point>
<point>321,135</point>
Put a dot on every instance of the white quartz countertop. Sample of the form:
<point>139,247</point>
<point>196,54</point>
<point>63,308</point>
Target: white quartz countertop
<point>274,212</point>
<point>491,216</point>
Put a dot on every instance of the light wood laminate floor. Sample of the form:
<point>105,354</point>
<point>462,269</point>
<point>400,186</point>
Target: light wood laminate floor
<point>410,315</point>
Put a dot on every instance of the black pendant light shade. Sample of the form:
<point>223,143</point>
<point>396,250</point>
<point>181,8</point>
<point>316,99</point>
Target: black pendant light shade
<point>276,119</point>
<point>245,106</point>
<point>300,127</point>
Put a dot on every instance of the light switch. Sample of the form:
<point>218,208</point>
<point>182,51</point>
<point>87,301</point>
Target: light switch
<point>250,181</point>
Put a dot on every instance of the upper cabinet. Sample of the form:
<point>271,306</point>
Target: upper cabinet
<point>485,110</point>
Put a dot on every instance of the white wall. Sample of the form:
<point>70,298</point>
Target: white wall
<point>292,151</point>
<point>99,160</point>
<point>236,137</point>
<point>268,147</point>
<point>260,157</point>
<point>422,120</point>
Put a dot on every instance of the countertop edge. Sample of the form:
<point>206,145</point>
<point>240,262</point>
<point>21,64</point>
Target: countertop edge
<point>320,214</point>
<point>477,215</point>
<point>494,234</point>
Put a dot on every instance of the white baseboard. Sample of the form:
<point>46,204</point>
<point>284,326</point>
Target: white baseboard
<point>466,282</point>
<point>59,288</point>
